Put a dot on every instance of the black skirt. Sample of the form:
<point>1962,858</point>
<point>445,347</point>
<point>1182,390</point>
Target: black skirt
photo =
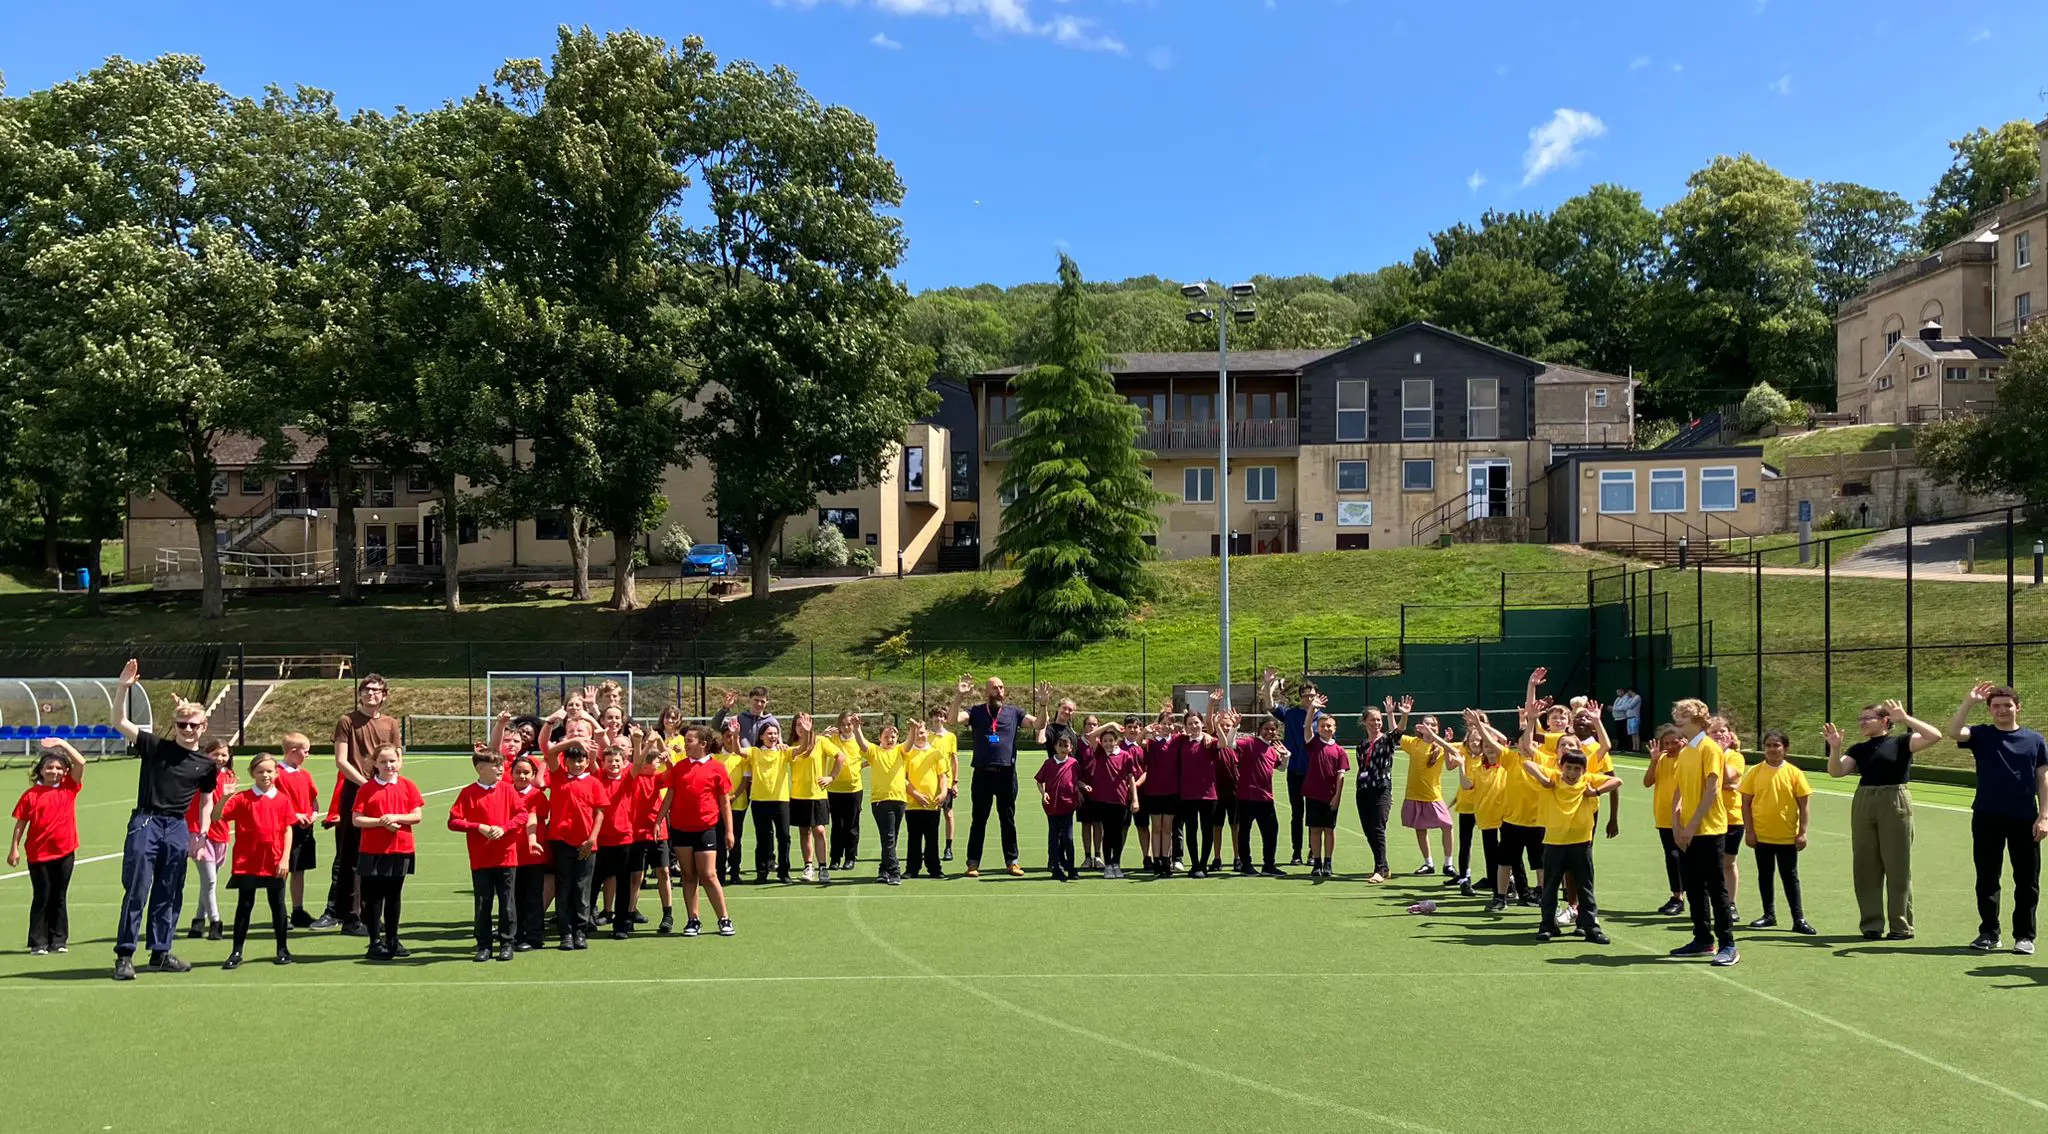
<point>254,882</point>
<point>383,865</point>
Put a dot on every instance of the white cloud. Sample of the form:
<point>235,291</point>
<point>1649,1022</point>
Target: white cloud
<point>1639,62</point>
<point>1677,67</point>
<point>1783,85</point>
<point>1475,181</point>
<point>1556,143</point>
<point>1161,58</point>
<point>1006,17</point>
<point>1072,31</point>
<point>885,43</point>
<point>1982,35</point>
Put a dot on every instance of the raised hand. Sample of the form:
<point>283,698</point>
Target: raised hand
<point>129,672</point>
<point>1320,702</point>
<point>504,716</point>
<point>1041,693</point>
<point>1216,696</point>
<point>803,722</point>
<point>1979,693</point>
<point>1897,711</point>
<point>732,698</point>
<point>1831,734</point>
<point>965,685</point>
<point>1407,703</point>
<point>1538,675</point>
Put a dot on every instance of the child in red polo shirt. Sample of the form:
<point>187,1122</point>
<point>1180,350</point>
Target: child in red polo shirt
<point>1059,789</point>
<point>493,816</point>
<point>265,822</point>
<point>208,845</point>
<point>650,835</point>
<point>698,813</point>
<point>616,844</point>
<point>387,809</point>
<point>297,785</point>
<point>576,808</point>
<point>48,814</point>
<point>533,876</point>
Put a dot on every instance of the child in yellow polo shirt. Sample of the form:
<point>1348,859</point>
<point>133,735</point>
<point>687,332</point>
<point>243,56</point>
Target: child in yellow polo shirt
<point>1422,803</point>
<point>1774,816</point>
<point>1569,804</point>
<point>1699,826</point>
<point>1662,779</point>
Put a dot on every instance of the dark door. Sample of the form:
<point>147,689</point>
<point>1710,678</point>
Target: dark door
<point>376,545</point>
<point>408,545</point>
<point>966,533</point>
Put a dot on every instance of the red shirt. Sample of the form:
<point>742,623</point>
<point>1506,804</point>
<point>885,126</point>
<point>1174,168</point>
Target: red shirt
<point>261,826</point>
<point>1327,764</point>
<point>617,829</point>
<point>1255,760</point>
<point>298,786</point>
<point>642,797</point>
<point>218,831</point>
<point>694,789</point>
<point>52,814</point>
<point>1057,779</point>
<point>1162,767</point>
<point>573,807</point>
<point>1197,762</point>
<point>495,806</point>
<point>535,802</point>
<point>375,800</point>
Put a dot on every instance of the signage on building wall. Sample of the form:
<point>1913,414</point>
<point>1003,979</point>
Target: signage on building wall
<point>1749,497</point>
<point>1805,506</point>
<point>1354,513</point>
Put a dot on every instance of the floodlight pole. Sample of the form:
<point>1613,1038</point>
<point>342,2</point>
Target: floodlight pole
<point>1223,311</point>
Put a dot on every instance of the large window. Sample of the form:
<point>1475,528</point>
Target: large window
<point>1600,398</point>
<point>1354,513</point>
<point>1618,492</point>
<point>1198,484</point>
<point>847,520</point>
<point>1955,373</point>
<point>1418,476</point>
<point>1667,490</point>
<point>2022,309</point>
<point>1261,484</point>
<point>1259,405</point>
<point>252,485</point>
<point>551,524</point>
<point>1717,490</point>
<point>1350,411</point>
<point>963,473</point>
<point>417,483</point>
<point>1351,476</point>
<point>380,488</point>
<point>1482,409</point>
<point>1418,412</point>
<point>2023,251</point>
<point>913,469</point>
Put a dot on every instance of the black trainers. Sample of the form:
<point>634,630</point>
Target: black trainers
<point>692,927</point>
<point>1986,943</point>
<point>725,928</point>
<point>622,934</point>
<point>197,929</point>
<point>324,921</point>
<point>604,917</point>
<point>1294,860</point>
<point>1497,905</point>
<point>505,952</point>
<point>639,918</point>
<point>668,924</point>
<point>168,963</point>
<point>213,931</point>
<point>1453,878</point>
<point>568,944</point>
<point>1768,921</point>
<point>1274,871</point>
<point>377,952</point>
<point>1595,937</point>
<point>1801,925</point>
<point>398,950</point>
<point>284,957</point>
<point>481,956</point>
<point>1543,936</point>
<point>1671,908</point>
<point>124,968</point>
<point>948,856</point>
<point>233,962</point>
<point>354,929</point>
<point>1694,948</point>
<point>301,919</point>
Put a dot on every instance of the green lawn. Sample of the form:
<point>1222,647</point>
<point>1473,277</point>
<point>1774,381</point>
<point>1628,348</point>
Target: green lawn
<point>1840,439</point>
<point>1781,549</point>
<point>1220,1004</point>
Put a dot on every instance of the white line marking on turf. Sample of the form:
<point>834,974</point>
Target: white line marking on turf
<point>1231,1077</point>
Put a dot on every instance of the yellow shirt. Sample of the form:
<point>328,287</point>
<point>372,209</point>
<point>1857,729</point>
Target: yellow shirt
<point>1568,811</point>
<point>1488,794</point>
<point>947,744</point>
<point>924,767</point>
<point>1774,795</point>
<point>1523,804</point>
<point>1661,791</point>
<point>805,770</point>
<point>770,769</point>
<point>891,772</point>
<point>848,779</point>
<point>1599,762</point>
<point>1467,802</point>
<point>736,768</point>
<point>1425,770</point>
<point>1732,796</point>
<point>1697,762</point>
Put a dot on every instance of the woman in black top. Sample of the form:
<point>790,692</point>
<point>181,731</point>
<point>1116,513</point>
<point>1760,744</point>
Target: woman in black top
<point>1881,814</point>
<point>1376,785</point>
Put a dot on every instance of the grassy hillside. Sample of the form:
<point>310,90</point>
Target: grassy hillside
<point>1840,439</point>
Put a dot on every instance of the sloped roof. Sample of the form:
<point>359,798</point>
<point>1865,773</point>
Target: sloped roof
<point>1558,373</point>
<point>1198,361</point>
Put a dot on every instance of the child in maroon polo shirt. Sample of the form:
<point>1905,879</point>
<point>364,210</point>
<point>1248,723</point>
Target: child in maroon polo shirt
<point>1060,789</point>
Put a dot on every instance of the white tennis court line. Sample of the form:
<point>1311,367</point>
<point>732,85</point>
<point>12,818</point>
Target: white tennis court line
<point>1231,1077</point>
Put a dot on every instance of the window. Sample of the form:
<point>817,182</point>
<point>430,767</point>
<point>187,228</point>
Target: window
<point>466,529</point>
<point>1261,484</point>
<point>1259,406</point>
<point>1717,490</point>
<point>1955,374</point>
<point>2023,251</point>
<point>963,472</point>
<point>1198,484</point>
<point>551,524</point>
<point>1354,541</point>
<point>1618,491</point>
<point>1987,374</point>
<point>379,489</point>
<point>1418,476</point>
<point>847,520</point>
<point>416,482</point>
<point>1350,411</point>
<point>1884,381</point>
<point>1600,397</point>
<point>220,484</point>
<point>1006,495</point>
<point>1351,476</point>
<point>2022,308</point>
<point>1418,417</point>
<point>1667,490</point>
<point>1891,339</point>
<point>252,485</point>
<point>1482,408</point>
<point>913,469</point>
<point>1354,513</point>
<point>1920,371</point>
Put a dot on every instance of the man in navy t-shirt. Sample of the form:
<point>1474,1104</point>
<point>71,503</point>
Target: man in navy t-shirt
<point>993,727</point>
<point>2009,817</point>
<point>1299,723</point>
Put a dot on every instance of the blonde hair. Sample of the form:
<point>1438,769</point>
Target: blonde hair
<point>1692,709</point>
<point>295,739</point>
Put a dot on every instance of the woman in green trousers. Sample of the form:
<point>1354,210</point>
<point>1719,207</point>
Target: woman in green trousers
<point>1881,814</point>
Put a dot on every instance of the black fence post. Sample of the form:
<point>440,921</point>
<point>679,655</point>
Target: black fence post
<point>1304,657</point>
<point>2010,551</point>
<point>924,658</point>
<point>469,670</point>
<point>1909,615</point>
<point>1143,676</point>
<point>1827,628</point>
<point>1756,723</point>
<point>1699,612</point>
<point>814,673</point>
<point>241,690</point>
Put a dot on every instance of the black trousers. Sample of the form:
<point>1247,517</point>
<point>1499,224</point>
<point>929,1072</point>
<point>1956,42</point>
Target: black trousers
<point>1489,850</point>
<point>381,900</point>
<point>529,887</point>
<point>1295,814</point>
<point>1259,812</point>
<point>344,891</point>
<point>845,837</point>
<point>245,906</point>
<point>1193,816</point>
<point>493,883</point>
<point>1671,856</point>
<point>924,842</point>
<point>619,865</point>
<point>1577,860</point>
<point>1059,844</point>
<point>996,786</point>
<point>575,877</point>
<point>729,856</point>
<point>1706,891</point>
<point>771,837</point>
<point>888,815</point>
<point>1467,823</point>
<point>1114,828</point>
<point>1773,860</point>
<point>1373,805</point>
<point>1994,838</point>
<point>49,905</point>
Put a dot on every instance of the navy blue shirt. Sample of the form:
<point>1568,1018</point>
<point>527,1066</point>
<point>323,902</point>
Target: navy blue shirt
<point>2007,763</point>
<point>995,735</point>
<point>1295,721</point>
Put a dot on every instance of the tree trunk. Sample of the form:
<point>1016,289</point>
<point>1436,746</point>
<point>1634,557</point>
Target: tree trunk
<point>625,591</point>
<point>345,534</point>
<point>451,548</point>
<point>762,577</point>
<point>212,601</point>
<point>52,508</point>
<point>579,557</point>
<point>94,583</point>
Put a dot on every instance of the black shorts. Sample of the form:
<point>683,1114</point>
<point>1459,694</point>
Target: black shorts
<point>1150,805</point>
<point>1731,843</point>
<point>621,859</point>
<point>1101,811</point>
<point>254,882</point>
<point>1194,810</point>
<point>653,853</point>
<point>1319,813</point>
<point>383,865</point>
<point>809,813</point>
<point>1515,838</point>
<point>305,850</point>
<point>694,840</point>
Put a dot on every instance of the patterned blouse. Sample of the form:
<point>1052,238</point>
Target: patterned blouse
<point>1376,762</point>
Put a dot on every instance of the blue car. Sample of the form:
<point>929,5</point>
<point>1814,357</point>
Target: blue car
<point>711,559</point>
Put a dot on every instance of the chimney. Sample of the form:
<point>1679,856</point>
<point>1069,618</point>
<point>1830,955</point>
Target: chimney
<point>1930,331</point>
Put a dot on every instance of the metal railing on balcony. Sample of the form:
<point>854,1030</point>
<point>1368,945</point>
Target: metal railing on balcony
<point>1182,436</point>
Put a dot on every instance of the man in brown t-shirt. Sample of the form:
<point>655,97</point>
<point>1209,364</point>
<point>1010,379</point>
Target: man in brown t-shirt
<point>357,736</point>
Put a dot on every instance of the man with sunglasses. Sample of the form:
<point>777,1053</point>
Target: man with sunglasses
<point>174,771</point>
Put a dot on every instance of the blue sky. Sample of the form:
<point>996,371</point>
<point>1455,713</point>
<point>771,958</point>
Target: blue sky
<point>1207,138</point>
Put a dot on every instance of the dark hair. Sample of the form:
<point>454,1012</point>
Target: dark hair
<point>370,679</point>
<point>35,773</point>
<point>532,765</point>
<point>760,691</point>
<point>1998,691</point>
<point>1307,687</point>
<point>1573,756</point>
<point>488,756</point>
<point>257,760</point>
<point>702,733</point>
<point>1777,734</point>
<point>574,750</point>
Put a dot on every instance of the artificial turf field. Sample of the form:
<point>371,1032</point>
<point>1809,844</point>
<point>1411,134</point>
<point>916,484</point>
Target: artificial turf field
<point>1006,1004</point>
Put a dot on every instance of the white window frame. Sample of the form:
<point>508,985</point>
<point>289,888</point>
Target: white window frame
<point>2022,309</point>
<point>2022,250</point>
<point>1600,397</point>
<point>1426,462</point>
<point>1891,339</point>
<point>1198,484</point>
<point>1427,409</point>
<point>1351,420</point>
<point>1884,381</point>
<point>1473,386</point>
<point>1261,484</point>
<point>1354,513</point>
<point>1364,476</point>
<point>1617,477</point>
<point>1717,474</point>
<point>1667,477</point>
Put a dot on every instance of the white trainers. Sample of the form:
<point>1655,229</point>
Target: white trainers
<point>810,873</point>
<point>2024,947</point>
<point>824,876</point>
<point>1569,916</point>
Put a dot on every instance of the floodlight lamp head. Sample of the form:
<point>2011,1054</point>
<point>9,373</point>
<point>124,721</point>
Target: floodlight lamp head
<point>1202,316</point>
<point>1244,290</point>
<point>1244,314</point>
<point>1195,291</point>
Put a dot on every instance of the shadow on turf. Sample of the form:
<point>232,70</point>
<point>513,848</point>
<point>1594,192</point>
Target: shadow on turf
<point>2029,976</point>
<point>1881,948</point>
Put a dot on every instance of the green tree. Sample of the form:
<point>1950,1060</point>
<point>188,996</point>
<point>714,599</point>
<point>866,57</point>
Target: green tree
<point>1605,249</point>
<point>1514,305</point>
<point>2003,452</point>
<point>1855,233</point>
<point>1988,167</point>
<point>1083,499</point>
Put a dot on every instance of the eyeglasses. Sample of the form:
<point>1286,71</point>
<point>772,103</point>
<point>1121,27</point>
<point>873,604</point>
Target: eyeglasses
<point>191,724</point>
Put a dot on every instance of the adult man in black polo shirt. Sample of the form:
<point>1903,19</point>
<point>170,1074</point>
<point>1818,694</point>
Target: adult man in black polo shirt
<point>2009,816</point>
<point>153,857</point>
<point>993,726</point>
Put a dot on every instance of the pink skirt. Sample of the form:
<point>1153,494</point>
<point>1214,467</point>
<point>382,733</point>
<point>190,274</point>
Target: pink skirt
<point>1420,816</point>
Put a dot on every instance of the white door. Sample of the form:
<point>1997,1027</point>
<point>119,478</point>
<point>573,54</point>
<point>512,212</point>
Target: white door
<point>1486,489</point>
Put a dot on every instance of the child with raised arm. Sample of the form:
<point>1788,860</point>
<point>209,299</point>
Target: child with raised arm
<point>1485,781</point>
<point>1774,817</point>
<point>265,822</point>
<point>532,873</point>
<point>576,808</point>
<point>767,779</point>
<point>1256,759</point>
<point>1569,812</point>
<point>814,763</point>
<point>386,810</point>
<point>1422,800</point>
<point>733,755</point>
<point>46,816</point>
<point>209,841</point>
<point>1110,778</point>
<point>298,785</point>
<point>1661,777</point>
<point>697,809</point>
<point>492,818</point>
<point>927,772</point>
<point>890,796</point>
<point>616,868</point>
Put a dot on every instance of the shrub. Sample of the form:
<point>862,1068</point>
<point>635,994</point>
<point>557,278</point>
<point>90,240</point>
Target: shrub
<point>1764,405</point>
<point>823,547</point>
<point>1650,434</point>
<point>861,557</point>
<point>1834,520</point>
<point>674,544</point>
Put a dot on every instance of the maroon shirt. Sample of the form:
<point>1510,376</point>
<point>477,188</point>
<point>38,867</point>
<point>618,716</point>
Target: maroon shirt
<point>1162,767</point>
<point>1255,760</point>
<point>1197,760</point>
<point>1108,774</point>
<point>1327,765</point>
<point>1060,780</point>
